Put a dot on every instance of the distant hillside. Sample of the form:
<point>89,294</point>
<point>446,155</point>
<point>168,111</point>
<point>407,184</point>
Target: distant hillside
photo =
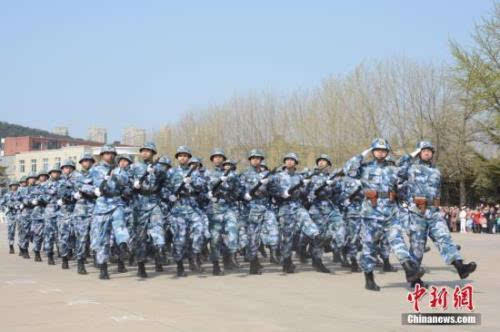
<point>13,130</point>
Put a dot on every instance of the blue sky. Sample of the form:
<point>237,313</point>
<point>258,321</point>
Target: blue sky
<point>143,63</point>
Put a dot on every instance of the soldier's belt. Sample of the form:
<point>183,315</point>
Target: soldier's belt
<point>373,196</point>
<point>422,202</point>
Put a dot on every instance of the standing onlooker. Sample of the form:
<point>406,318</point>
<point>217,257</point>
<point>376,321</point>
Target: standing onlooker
<point>453,218</point>
<point>463,220</point>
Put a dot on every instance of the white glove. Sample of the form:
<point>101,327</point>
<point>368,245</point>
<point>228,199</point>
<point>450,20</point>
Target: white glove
<point>187,180</point>
<point>107,177</point>
<point>366,152</point>
<point>60,202</point>
<point>150,169</point>
<point>329,182</point>
<point>137,184</point>
<point>172,198</point>
<point>223,178</point>
<point>210,194</point>
<point>285,195</point>
<point>214,199</point>
<point>248,197</point>
<point>77,195</point>
<point>264,181</point>
<point>346,202</point>
<point>415,153</point>
<point>34,202</point>
<point>97,192</point>
<point>21,206</point>
<point>306,181</point>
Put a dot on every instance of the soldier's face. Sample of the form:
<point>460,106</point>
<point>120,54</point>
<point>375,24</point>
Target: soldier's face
<point>146,154</point>
<point>426,154</point>
<point>290,163</point>
<point>55,175</point>
<point>322,163</point>
<point>380,154</point>
<point>23,184</point>
<point>183,158</point>
<point>42,178</point>
<point>227,166</point>
<point>123,163</point>
<point>14,188</point>
<point>86,164</point>
<point>217,160</point>
<point>255,161</point>
<point>67,170</point>
<point>108,157</point>
<point>31,181</point>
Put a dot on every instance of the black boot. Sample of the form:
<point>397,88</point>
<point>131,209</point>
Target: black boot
<point>412,271</point>
<point>65,265</point>
<point>141,270</point>
<point>235,260</point>
<point>319,266</point>
<point>216,271</point>
<point>303,253</point>
<point>354,265</point>
<point>288,266</point>
<point>254,266</point>
<point>388,267</point>
<point>193,265</point>
<point>26,254</point>
<point>420,282</point>
<point>464,269</point>
<point>11,249</point>
<point>370,282</point>
<point>124,251</point>
<point>344,261</point>
<point>427,249</point>
<point>180,269</point>
<point>131,260</point>
<point>336,257</point>
<point>94,259</point>
<point>50,259</point>
<point>228,262</point>
<point>262,250</point>
<point>121,266</point>
<point>104,275</point>
<point>274,258</point>
<point>21,252</point>
<point>38,258</point>
<point>81,267</point>
<point>158,261</point>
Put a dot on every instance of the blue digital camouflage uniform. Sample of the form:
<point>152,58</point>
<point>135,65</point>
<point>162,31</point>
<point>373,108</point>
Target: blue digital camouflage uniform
<point>382,219</point>
<point>108,214</point>
<point>325,214</point>
<point>184,218</point>
<point>261,223</point>
<point>292,215</point>
<point>50,198</point>
<point>37,217</point>
<point>424,180</point>
<point>353,194</point>
<point>220,211</point>
<point>148,223</point>
<point>24,222</point>
<point>84,207</point>
<point>10,205</point>
<point>66,202</point>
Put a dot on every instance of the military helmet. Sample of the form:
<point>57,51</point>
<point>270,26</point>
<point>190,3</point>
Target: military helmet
<point>149,146</point>
<point>31,175</point>
<point>13,183</point>
<point>165,160</point>
<point>68,163</point>
<point>86,156</point>
<point>380,143</point>
<point>23,178</point>
<point>217,152</point>
<point>183,149</point>
<point>325,157</point>
<point>256,153</point>
<point>107,149</point>
<point>124,156</point>
<point>425,145</point>
<point>292,156</point>
<point>389,159</point>
<point>264,164</point>
<point>43,172</point>
<point>196,160</point>
<point>55,168</point>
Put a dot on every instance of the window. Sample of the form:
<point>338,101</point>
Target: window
<point>46,164</point>
<point>22,169</point>
<point>33,165</point>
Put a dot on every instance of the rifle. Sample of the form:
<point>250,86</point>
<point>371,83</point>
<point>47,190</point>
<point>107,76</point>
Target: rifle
<point>143,176</point>
<point>219,182</point>
<point>294,188</point>
<point>188,175</point>
<point>104,182</point>
<point>257,186</point>
<point>332,177</point>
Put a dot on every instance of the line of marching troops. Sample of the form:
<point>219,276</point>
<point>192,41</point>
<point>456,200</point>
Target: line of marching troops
<point>117,210</point>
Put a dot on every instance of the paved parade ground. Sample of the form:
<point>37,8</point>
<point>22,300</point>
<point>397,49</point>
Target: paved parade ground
<point>38,297</point>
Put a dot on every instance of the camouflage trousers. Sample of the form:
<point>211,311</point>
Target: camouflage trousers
<point>223,230</point>
<point>11,227</point>
<point>330,224</point>
<point>24,229</point>
<point>185,222</point>
<point>270,233</point>
<point>107,224</point>
<point>65,234</point>
<point>37,229</point>
<point>81,226</point>
<point>148,227</point>
<point>431,224</point>
<point>353,223</point>
<point>255,222</point>
<point>50,233</point>
<point>373,231</point>
<point>242,217</point>
<point>294,217</point>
